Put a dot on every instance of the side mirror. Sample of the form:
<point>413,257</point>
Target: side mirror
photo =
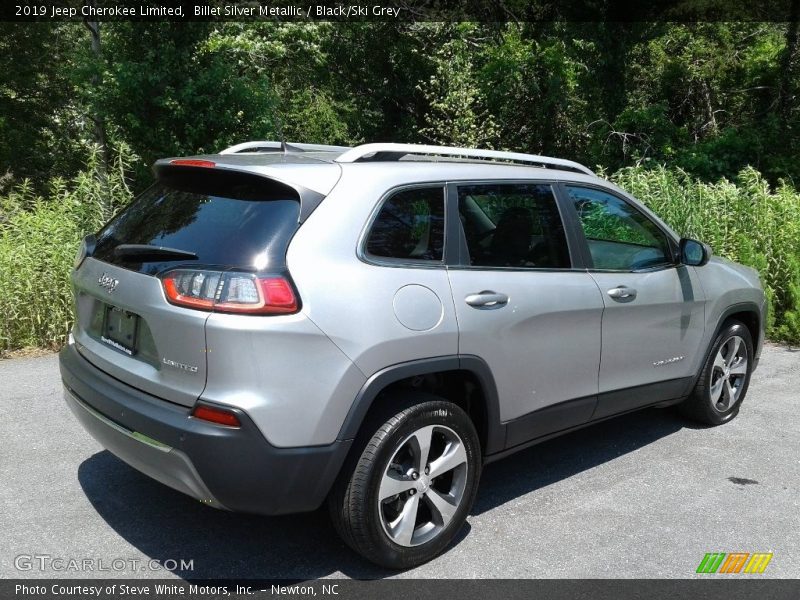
<point>694,253</point>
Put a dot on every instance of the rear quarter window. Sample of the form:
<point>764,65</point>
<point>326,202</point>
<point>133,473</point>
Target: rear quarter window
<point>409,226</point>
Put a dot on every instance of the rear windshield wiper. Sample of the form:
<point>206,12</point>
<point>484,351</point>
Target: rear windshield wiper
<point>144,252</point>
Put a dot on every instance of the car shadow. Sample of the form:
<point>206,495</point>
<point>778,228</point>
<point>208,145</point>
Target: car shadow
<point>567,455</point>
<point>164,524</point>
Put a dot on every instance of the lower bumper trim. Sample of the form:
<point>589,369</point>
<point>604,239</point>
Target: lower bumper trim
<point>159,461</point>
<point>235,468</point>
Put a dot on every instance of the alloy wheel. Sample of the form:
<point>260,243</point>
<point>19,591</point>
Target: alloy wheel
<point>423,485</point>
<point>729,373</point>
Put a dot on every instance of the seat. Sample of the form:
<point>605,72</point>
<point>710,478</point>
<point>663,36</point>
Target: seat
<point>511,242</point>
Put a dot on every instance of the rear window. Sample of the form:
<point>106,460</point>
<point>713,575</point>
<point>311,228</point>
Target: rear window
<point>227,220</point>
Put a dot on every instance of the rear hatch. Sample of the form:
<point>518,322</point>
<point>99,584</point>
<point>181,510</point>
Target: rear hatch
<point>196,227</point>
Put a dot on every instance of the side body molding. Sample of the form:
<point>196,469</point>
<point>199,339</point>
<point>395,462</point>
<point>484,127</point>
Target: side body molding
<point>533,427</point>
<point>495,430</point>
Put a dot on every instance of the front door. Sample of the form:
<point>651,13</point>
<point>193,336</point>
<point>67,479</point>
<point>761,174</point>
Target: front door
<point>653,320</point>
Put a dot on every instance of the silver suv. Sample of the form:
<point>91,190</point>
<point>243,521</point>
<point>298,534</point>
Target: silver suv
<point>282,325</point>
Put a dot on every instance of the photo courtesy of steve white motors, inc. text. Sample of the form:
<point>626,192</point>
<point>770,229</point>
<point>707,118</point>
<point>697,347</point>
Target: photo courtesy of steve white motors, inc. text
<point>172,589</point>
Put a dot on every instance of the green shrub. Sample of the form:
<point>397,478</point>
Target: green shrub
<point>39,238</point>
<point>744,221</point>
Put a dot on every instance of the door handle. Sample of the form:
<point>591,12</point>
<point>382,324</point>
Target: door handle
<point>487,299</point>
<point>622,293</point>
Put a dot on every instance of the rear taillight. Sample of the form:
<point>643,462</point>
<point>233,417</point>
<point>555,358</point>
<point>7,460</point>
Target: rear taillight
<point>220,416</point>
<point>229,291</point>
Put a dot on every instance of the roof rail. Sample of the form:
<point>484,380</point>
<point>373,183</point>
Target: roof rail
<point>379,152</point>
<point>258,147</point>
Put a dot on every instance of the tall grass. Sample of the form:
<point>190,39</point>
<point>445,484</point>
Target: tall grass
<point>743,220</point>
<point>39,237</point>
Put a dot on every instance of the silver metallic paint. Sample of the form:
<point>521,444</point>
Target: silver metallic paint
<point>297,375</point>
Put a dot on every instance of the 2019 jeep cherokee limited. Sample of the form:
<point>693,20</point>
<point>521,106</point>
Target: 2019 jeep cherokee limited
<point>280,325</point>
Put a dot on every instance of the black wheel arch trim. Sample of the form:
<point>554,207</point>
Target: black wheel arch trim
<point>495,430</point>
<point>726,314</point>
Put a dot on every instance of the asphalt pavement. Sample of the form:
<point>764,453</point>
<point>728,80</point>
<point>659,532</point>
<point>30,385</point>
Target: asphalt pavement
<point>644,495</point>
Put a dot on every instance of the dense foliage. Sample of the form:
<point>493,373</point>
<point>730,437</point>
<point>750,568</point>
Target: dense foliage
<point>715,102</point>
<point>710,98</point>
<point>39,237</point>
<point>742,220</point>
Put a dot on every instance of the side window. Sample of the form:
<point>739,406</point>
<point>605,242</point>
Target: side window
<point>513,225</point>
<point>620,237</point>
<point>409,226</point>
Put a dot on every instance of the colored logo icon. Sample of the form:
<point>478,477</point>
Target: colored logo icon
<point>734,562</point>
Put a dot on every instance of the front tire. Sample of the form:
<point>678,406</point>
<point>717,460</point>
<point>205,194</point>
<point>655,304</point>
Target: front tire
<point>723,382</point>
<point>405,497</point>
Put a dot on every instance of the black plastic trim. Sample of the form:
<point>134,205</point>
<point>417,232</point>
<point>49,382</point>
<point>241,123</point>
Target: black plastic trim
<point>309,199</point>
<point>571,415</point>
<point>456,251</point>
<point>558,433</point>
<point>240,468</point>
<point>632,398</point>
<point>550,419</point>
<point>732,310</point>
<point>495,431</point>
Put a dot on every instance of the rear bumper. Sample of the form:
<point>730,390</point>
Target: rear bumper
<point>230,468</point>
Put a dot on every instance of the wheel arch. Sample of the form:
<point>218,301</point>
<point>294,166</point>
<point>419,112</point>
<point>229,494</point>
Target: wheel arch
<point>484,409</point>
<point>750,318</point>
<point>746,312</point>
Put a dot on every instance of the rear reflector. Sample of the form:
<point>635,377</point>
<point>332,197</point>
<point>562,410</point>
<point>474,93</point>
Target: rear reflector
<point>220,416</point>
<point>229,291</point>
<point>193,162</point>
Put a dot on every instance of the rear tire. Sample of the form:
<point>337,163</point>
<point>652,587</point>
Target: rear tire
<point>401,500</point>
<point>723,382</point>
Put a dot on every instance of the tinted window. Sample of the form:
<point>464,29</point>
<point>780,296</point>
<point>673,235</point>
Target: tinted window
<point>243,222</point>
<point>410,226</point>
<point>620,237</point>
<point>513,225</point>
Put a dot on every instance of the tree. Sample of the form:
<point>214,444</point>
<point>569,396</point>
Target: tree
<point>96,116</point>
<point>42,132</point>
<point>787,93</point>
<point>457,112</point>
<point>166,90</point>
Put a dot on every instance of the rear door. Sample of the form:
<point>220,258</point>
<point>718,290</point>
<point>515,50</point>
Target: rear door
<point>205,218</point>
<point>525,307</point>
<point>653,320</point>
